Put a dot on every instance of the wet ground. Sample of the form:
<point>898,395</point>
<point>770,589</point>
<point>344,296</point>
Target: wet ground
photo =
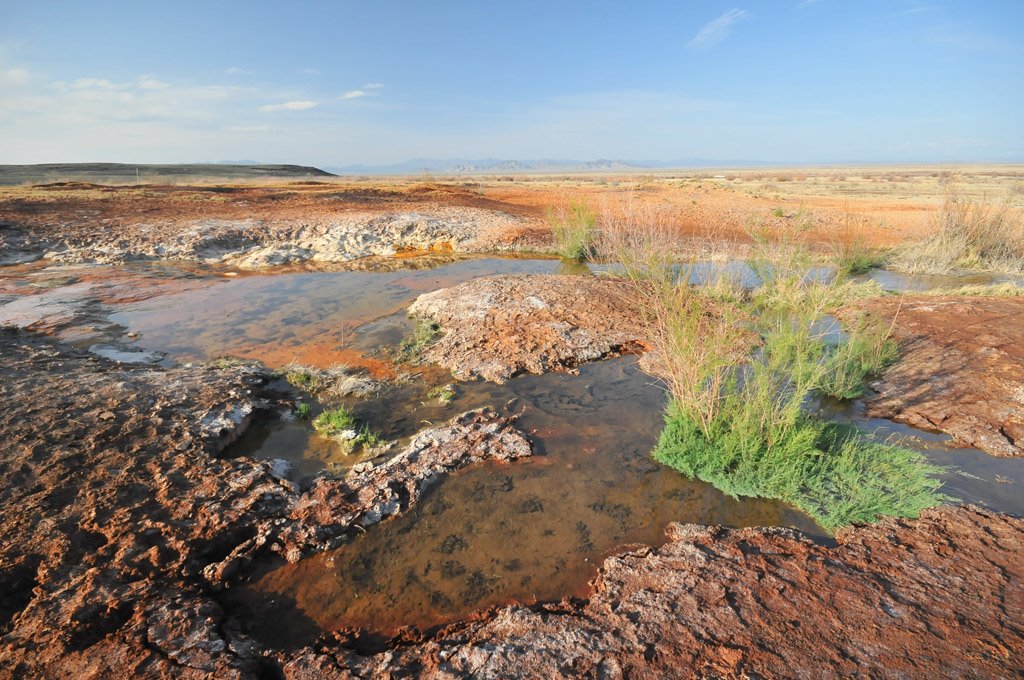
<point>533,531</point>
<point>530,532</point>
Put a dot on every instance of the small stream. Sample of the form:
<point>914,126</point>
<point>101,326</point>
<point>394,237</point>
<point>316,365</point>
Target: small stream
<point>531,531</point>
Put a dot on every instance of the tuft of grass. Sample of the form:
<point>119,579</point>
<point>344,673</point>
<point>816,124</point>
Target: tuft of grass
<point>333,422</point>
<point>836,476</point>
<point>574,230</point>
<point>445,394</point>
<point>853,257</point>
<point>865,352</point>
<point>970,234</point>
<point>423,335</point>
<point>228,362</point>
<point>1004,289</point>
<point>367,438</point>
<point>742,368</point>
<point>302,377</point>
<point>302,411</point>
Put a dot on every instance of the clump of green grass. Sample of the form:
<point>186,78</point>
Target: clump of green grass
<point>423,334</point>
<point>574,230</point>
<point>865,352</point>
<point>853,257</point>
<point>445,394</point>
<point>741,371</point>
<point>333,422</point>
<point>758,440</point>
<point>367,438</point>
<point>340,424</point>
<point>302,411</point>
<point>302,377</point>
<point>837,477</point>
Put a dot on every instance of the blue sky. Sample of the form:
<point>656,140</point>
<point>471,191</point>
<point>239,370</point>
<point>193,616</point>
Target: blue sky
<point>334,83</point>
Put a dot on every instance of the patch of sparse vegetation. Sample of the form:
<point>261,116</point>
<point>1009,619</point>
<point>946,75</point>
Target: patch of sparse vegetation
<point>367,438</point>
<point>851,254</point>
<point>224,362</point>
<point>423,335</point>
<point>970,234</point>
<point>1004,289</point>
<point>741,368</point>
<point>336,381</point>
<point>333,422</point>
<point>835,475</point>
<point>445,394</point>
<point>574,230</point>
<point>302,411</point>
<point>303,377</point>
<point>340,424</point>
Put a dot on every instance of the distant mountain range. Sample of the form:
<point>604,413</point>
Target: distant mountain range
<point>495,165</point>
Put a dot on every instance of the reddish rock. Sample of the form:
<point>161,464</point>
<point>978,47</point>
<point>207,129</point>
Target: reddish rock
<point>961,369</point>
<point>500,326</point>
<point>118,520</point>
<point>934,597</point>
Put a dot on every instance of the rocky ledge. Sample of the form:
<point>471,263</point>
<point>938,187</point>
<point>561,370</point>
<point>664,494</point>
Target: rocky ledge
<point>933,597</point>
<point>252,243</point>
<point>961,369</point>
<point>119,519</point>
<point>500,326</point>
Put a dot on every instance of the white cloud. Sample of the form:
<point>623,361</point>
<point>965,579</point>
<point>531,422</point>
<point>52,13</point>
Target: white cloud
<point>308,71</point>
<point>236,71</point>
<point>368,90</point>
<point>717,30</point>
<point>14,76</point>
<point>151,83</point>
<point>251,128</point>
<point>289,106</point>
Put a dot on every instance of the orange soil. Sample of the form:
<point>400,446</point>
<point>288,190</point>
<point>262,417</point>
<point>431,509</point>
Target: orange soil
<point>704,208</point>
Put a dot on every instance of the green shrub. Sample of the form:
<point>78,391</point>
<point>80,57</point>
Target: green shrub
<point>836,476</point>
<point>574,231</point>
<point>741,370</point>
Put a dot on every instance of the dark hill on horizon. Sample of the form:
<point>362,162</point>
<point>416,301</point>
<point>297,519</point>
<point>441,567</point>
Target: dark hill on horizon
<point>126,172</point>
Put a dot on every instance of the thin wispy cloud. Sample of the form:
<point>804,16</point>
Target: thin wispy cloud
<point>288,106</point>
<point>251,128</point>
<point>807,3</point>
<point>236,71</point>
<point>717,30</point>
<point>308,71</point>
<point>367,90</point>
